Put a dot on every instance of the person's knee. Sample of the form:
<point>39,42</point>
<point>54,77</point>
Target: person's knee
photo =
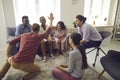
<point>55,71</point>
<point>38,69</point>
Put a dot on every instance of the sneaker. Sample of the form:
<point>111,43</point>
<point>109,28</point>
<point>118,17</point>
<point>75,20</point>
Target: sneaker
<point>20,78</point>
<point>52,56</point>
<point>38,57</point>
<point>44,59</point>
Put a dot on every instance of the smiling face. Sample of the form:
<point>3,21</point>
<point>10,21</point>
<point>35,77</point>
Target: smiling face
<point>25,22</point>
<point>58,27</point>
<point>42,20</point>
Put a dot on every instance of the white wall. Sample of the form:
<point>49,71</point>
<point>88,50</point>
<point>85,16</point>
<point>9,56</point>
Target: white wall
<point>9,13</point>
<point>69,11</point>
<point>3,32</point>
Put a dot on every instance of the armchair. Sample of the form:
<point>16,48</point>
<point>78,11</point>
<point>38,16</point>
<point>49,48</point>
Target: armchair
<point>111,64</point>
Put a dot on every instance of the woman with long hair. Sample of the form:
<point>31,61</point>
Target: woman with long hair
<point>77,61</point>
<point>60,33</point>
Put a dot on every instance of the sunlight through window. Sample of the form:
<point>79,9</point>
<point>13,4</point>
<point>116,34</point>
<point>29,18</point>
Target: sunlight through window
<point>36,8</point>
<point>97,11</point>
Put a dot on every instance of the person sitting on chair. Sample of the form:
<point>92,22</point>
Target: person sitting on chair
<point>90,36</point>
<point>77,61</point>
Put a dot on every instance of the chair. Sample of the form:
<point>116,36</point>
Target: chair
<point>111,64</point>
<point>106,40</point>
<point>11,31</point>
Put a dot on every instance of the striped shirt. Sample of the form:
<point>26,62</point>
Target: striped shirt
<point>29,43</point>
<point>75,63</point>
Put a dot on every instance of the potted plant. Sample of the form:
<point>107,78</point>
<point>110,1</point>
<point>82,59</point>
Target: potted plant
<point>74,24</point>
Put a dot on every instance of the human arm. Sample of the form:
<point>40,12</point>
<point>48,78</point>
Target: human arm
<point>62,68</point>
<point>85,34</point>
<point>47,32</point>
<point>60,39</point>
<point>9,50</point>
<point>83,41</point>
<point>62,35</point>
<point>15,40</point>
<point>11,44</point>
<point>17,32</point>
<point>64,65</point>
<point>51,18</point>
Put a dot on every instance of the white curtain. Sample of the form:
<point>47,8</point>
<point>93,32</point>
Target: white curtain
<point>36,8</point>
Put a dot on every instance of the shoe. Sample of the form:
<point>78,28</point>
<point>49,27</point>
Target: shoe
<point>20,78</point>
<point>44,59</point>
<point>52,56</point>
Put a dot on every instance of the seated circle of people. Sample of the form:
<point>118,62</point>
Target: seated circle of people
<point>24,59</point>
<point>90,35</point>
<point>77,61</point>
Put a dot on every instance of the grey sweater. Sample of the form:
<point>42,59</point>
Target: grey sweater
<point>75,63</point>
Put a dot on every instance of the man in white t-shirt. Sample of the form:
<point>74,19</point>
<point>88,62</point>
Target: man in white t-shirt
<point>43,28</point>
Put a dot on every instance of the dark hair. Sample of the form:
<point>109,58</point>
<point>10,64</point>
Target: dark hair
<point>62,25</point>
<point>76,37</point>
<point>24,17</point>
<point>81,18</point>
<point>42,17</point>
<point>35,27</point>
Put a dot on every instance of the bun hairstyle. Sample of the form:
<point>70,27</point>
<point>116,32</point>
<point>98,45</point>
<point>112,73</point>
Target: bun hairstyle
<point>76,38</point>
<point>81,18</point>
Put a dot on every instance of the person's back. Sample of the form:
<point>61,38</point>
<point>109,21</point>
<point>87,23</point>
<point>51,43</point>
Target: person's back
<point>76,70</point>
<point>29,43</point>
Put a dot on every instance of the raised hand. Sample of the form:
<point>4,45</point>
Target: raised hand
<point>51,17</point>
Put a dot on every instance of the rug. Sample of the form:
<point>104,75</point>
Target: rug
<point>46,67</point>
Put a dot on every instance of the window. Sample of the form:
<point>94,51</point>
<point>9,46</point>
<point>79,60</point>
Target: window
<point>36,8</point>
<point>97,11</point>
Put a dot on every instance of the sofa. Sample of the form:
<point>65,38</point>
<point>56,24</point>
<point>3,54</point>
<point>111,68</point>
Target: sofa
<point>10,36</point>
